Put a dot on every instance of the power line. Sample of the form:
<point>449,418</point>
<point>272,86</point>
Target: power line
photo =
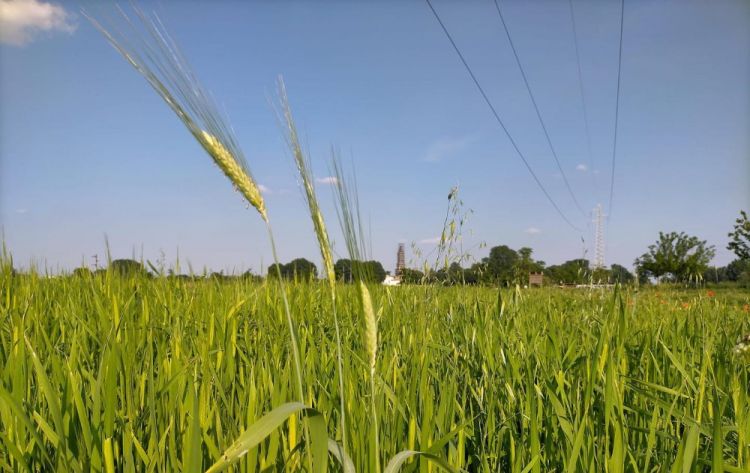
<point>583,95</point>
<point>617,109</point>
<point>497,117</point>
<point>536,109</point>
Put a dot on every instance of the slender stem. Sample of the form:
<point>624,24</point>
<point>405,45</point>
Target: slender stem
<point>375,420</point>
<point>293,335</point>
<point>340,369</point>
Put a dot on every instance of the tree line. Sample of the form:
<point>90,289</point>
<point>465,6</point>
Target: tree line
<point>674,257</point>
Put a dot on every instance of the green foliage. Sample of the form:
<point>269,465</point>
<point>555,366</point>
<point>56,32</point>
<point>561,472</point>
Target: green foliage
<point>500,265</point>
<point>571,272</point>
<point>526,265</point>
<point>738,271</point>
<point>299,269</point>
<point>675,257</point>
<point>620,274</point>
<point>349,271</point>
<point>168,375</point>
<point>740,237</point>
<point>411,276</point>
<point>82,272</point>
<point>127,267</point>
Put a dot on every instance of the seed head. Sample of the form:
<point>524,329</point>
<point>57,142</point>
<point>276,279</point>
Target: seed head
<point>371,325</point>
<point>228,164</point>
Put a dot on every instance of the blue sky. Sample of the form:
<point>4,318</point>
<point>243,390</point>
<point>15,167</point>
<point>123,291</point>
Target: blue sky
<point>88,149</point>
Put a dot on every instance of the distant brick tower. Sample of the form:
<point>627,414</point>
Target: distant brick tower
<point>400,260</point>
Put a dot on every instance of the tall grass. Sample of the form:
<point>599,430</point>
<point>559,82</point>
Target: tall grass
<point>307,182</point>
<point>160,374</point>
<point>352,229</point>
<point>126,372</point>
<point>147,46</point>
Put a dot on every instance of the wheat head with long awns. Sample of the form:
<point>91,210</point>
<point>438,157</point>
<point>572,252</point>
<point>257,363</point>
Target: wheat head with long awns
<point>241,180</point>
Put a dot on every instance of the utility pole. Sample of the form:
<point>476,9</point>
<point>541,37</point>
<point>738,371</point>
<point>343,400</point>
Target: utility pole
<point>598,222</point>
<point>96,261</point>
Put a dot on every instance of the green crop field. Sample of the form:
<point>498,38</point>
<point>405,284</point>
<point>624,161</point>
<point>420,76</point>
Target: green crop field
<point>122,370</point>
<point>111,373</point>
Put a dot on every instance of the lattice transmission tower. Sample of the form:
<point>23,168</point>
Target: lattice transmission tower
<point>598,222</point>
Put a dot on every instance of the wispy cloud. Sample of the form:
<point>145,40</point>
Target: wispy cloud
<point>22,20</point>
<point>430,241</point>
<point>532,231</point>
<point>446,147</point>
<point>328,180</point>
<point>582,167</point>
<point>264,189</point>
<point>22,211</point>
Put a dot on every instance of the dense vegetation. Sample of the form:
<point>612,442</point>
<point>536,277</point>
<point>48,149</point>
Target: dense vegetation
<point>123,372</point>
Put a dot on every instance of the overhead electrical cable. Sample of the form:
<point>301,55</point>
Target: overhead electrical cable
<point>583,94</point>
<point>536,109</point>
<point>617,112</point>
<point>499,120</point>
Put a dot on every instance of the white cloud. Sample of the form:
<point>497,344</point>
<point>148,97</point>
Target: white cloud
<point>328,180</point>
<point>22,20</point>
<point>430,241</point>
<point>264,189</point>
<point>532,231</point>
<point>582,167</point>
<point>445,147</point>
<point>21,211</point>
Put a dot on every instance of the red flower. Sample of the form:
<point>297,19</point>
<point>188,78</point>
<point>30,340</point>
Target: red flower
<point>746,308</point>
<point>685,305</point>
<point>710,293</point>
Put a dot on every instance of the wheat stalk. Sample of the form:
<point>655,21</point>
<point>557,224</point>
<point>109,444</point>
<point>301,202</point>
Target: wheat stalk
<point>152,52</point>
<point>155,55</point>
<point>303,167</point>
<point>351,226</point>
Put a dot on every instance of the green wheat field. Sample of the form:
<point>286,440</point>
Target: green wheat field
<point>124,371</point>
<point>103,372</point>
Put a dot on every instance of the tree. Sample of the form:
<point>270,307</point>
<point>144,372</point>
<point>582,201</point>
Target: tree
<point>300,268</point>
<point>275,270</point>
<point>374,271</point>
<point>738,270</point>
<point>250,276</point>
<point>575,271</point>
<point>524,265</point>
<point>620,274</point>
<point>740,237</point>
<point>411,276</point>
<point>347,270</point>
<point>127,267</point>
<point>343,270</point>
<point>500,265</point>
<point>599,275</point>
<point>675,257</point>
<point>82,272</point>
